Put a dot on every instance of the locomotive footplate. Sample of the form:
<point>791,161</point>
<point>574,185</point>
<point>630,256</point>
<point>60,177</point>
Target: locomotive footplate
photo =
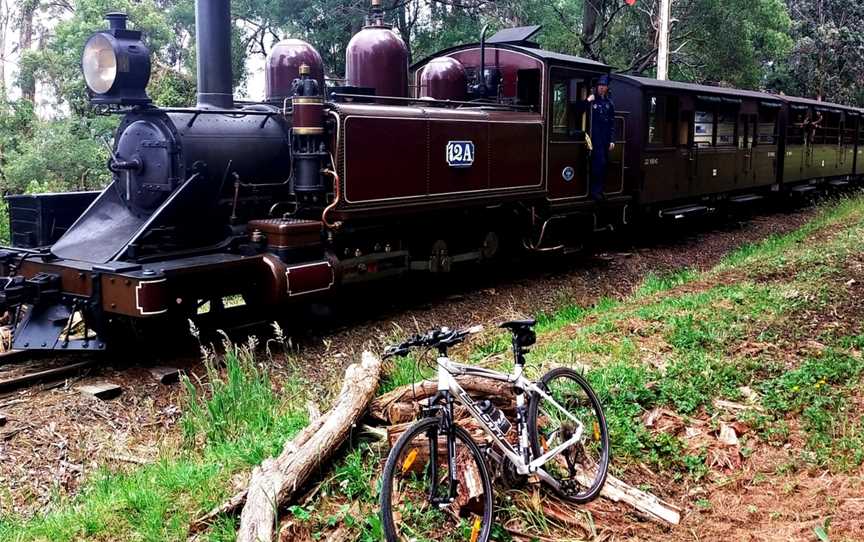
<point>66,304</point>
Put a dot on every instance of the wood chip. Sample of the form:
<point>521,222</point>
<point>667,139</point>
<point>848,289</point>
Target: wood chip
<point>104,391</point>
<point>2,420</point>
<point>729,405</point>
<point>166,375</point>
<point>727,435</point>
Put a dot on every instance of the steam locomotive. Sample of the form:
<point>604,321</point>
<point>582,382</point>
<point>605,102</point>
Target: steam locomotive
<point>480,149</point>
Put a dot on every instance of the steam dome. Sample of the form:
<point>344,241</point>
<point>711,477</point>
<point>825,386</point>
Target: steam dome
<point>283,67</point>
<point>377,58</point>
<point>444,78</point>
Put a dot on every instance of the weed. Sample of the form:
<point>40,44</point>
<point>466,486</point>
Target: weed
<point>356,472</point>
<point>400,371</point>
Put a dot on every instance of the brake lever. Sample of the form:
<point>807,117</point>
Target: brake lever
<point>398,352</point>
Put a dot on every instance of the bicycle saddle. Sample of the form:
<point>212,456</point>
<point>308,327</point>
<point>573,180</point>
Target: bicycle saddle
<point>518,325</point>
<point>523,335</point>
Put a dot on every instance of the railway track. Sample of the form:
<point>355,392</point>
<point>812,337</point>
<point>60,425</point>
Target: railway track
<point>20,369</point>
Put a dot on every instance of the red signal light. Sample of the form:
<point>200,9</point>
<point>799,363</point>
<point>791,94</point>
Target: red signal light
<point>630,2</point>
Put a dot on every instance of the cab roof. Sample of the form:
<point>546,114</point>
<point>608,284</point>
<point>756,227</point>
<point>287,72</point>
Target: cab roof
<point>548,57</point>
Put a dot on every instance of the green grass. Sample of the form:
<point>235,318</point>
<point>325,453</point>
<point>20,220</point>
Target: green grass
<point>230,423</point>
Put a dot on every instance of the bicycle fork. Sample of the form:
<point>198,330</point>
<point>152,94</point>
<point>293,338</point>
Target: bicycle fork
<point>447,427</point>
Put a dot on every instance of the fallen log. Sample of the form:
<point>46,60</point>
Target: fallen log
<point>403,403</point>
<point>276,480</point>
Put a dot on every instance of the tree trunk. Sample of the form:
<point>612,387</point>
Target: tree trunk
<point>5,18</point>
<point>590,12</point>
<point>28,82</point>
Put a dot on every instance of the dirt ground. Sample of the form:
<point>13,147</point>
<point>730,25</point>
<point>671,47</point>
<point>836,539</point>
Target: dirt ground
<point>55,435</point>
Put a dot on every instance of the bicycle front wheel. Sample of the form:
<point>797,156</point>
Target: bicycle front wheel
<point>579,472</point>
<point>421,501</point>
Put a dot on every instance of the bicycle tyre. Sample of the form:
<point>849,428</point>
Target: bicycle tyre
<point>418,429</point>
<point>593,491</point>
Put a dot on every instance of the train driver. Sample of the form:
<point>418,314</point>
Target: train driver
<point>602,135</point>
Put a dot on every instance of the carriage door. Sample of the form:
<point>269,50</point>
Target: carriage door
<point>841,144</point>
<point>745,147</point>
<point>568,166</point>
<point>745,143</point>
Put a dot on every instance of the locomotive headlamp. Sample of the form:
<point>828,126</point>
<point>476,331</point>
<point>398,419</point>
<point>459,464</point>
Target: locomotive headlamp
<point>116,65</point>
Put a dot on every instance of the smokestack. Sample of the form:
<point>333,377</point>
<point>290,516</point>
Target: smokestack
<point>213,32</point>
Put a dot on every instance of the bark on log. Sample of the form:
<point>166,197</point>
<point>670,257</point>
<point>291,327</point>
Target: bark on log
<point>649,505</point>
<point>403,403</point>
<point>275,481</point>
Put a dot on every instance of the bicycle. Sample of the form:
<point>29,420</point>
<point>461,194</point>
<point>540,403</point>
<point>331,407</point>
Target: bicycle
<point>436,479</point>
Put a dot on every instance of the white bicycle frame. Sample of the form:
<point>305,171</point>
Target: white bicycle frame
<point>447,373</point>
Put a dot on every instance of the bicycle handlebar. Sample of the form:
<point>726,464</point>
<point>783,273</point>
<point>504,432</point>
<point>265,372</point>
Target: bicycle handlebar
<point>441,338</point>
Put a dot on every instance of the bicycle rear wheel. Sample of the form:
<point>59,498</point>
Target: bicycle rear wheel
<point>578,472</point>
<point>416,489</point>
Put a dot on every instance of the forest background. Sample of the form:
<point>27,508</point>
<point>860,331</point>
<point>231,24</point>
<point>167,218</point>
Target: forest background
<point>51,140</point>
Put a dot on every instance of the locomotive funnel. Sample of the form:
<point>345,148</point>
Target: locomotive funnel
<point>213,32</point>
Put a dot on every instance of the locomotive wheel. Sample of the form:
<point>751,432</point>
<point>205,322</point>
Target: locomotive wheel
<point>491,246</point>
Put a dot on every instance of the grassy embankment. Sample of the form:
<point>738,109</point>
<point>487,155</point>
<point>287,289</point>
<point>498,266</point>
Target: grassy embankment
<point>779,317</point>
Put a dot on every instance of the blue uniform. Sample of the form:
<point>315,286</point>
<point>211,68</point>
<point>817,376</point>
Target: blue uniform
<point>602,134</point>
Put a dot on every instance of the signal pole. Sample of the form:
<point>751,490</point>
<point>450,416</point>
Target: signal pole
<point>663,41</point>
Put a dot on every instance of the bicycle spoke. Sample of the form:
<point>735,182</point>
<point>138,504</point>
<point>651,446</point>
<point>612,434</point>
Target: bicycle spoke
<point>576,469</point>
<point>420,504</point>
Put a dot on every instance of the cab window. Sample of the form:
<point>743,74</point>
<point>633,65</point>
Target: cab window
<point>568,112</point>
<point>528,88</point>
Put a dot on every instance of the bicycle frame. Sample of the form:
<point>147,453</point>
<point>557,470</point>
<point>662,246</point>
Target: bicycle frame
<point>450,389</point>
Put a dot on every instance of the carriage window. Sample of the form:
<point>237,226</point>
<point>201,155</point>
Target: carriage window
<point>725,129</point>
<point>767,127</point>
<point>703,129</point>
<point>828,132</point>
<point>684,125</point>
<point>662,120</point>
<point>568,111</point>
<point>851,130</point>
<point>795,129</point>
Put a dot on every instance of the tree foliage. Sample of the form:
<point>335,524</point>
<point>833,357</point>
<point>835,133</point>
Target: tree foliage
<point>827,60</point>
